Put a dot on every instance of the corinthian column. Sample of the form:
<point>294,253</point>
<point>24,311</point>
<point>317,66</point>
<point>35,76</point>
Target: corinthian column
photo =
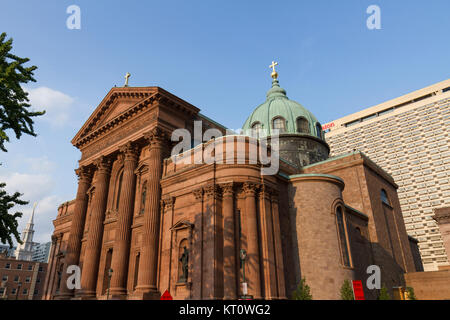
<point>125,216</point>
<point>94,239</point>
<point>278,247</point>
<point>147,288</point>
<point>229,246</point>
<point>267,249</point>
<point>76,228</point>
<point>252,262</point>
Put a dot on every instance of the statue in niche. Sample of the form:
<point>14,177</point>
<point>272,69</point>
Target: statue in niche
<point>184,260</point>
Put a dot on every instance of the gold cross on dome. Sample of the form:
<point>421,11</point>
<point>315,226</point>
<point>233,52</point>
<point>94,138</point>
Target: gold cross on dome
<point>127,76</point>
<point>274,73</point>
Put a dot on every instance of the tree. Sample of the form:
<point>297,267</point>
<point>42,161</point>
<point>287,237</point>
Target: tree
<point>8,222</point>
<point>347,291</point>
<point>384,295</point>
<point>14,113</point>
<point>302,292</point>
<point>410,295</point>
<point>16,116</point>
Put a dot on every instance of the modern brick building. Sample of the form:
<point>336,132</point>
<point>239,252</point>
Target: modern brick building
<point>409,137</point>
<point>144,222</point>
<point>21,279</point>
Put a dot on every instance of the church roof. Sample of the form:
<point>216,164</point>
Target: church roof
<point>278,104</point>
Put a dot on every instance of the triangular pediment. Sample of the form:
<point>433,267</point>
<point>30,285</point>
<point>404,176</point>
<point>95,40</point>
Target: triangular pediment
<point>122,103</point>
<point>116,102</point>
<point>182,224</point>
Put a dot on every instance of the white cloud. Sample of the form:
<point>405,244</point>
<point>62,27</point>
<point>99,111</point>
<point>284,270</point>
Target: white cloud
<point>33,186</point>
<point>55,103</point>
<point>40,164</point>
<point>46,211</point>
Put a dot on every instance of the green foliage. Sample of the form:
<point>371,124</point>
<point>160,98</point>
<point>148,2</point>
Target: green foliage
<point>8,222</point>
<point>303,291</point>
<point>384,295</point>
<point>14,113</point>
<point>347,291</point>
<point>410,293</point>
<point>15,116</point>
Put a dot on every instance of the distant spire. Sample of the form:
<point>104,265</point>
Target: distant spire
<point>31,221</point>
<point>24,251</point>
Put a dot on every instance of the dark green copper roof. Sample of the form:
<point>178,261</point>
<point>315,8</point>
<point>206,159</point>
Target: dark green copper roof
<point>277,104</point>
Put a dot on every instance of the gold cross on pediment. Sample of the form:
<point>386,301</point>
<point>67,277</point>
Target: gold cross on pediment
<point>127,76</point>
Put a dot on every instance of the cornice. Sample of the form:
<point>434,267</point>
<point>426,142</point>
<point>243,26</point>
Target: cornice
<point>151,95</point>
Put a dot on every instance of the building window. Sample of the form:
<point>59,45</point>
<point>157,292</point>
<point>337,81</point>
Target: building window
<point>302,125</point>
<point>16,278</point>
<point>143,197</point>
<point>36,291</point>
<point>19,266</point>
<point>27,279</point>
<point>280,124</point>
<point>38,280</point>
<point>2,291</point>
<point>256,128</point>
<point>8,266</point>
<point>319,130</point>
<point>342,234</point>
<point>30,267</point>
<point>5,278</point>
<point>13,291</point>
<point>119,190</point>
<point>41,269</point>
<point>384,197</point>
<point>25,291</point>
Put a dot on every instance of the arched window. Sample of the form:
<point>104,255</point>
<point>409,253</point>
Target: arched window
<point>279,123</point>
<point>119,190</point>
<point>318,130</point>
<point>256,128</point>
<point>302,125</point>
<point>340,219</point>
<point>384,197</point>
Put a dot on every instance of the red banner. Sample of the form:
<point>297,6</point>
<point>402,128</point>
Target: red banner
<point>358,290</point>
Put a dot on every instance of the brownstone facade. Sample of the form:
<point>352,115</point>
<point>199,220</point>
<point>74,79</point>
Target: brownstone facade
<point>170,223</point>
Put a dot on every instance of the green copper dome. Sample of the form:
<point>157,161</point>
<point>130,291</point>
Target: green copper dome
<point>279,108</point>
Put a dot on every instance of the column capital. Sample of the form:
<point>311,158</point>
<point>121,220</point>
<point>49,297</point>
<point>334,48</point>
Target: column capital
<point>198,193</point>
<point>227,189</point>
<point>103,164</point>
<point>212,190</point>
<point>130,151</point>
<point>156,137</point>
<point>168,202</point>
<point>84,173</point>
<point>266,191</point>
<point>250,188</point>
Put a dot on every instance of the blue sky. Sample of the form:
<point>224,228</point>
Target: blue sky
<point>213,54</point>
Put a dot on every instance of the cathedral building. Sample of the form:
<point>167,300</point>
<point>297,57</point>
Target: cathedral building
<point>146,219</point>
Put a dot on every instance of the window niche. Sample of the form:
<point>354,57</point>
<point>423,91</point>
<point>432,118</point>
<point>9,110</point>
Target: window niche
<point>182,259</point>
<point>343,238</point>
